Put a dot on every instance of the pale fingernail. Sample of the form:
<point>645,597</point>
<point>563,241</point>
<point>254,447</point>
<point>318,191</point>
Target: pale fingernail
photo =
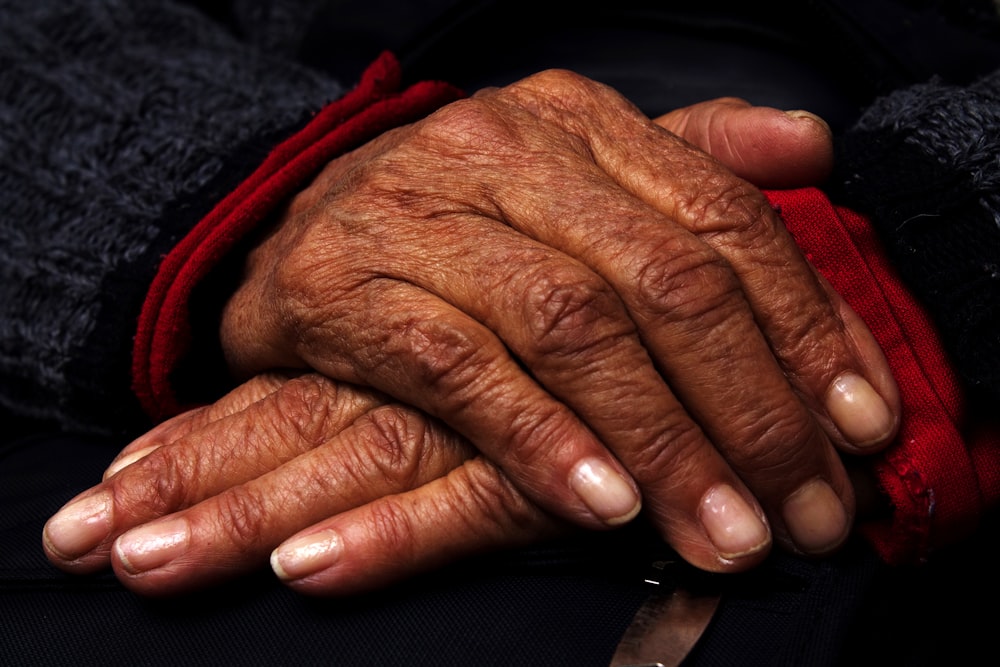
<point>126,461</point>
<point>605,492</point>
<point>798,114</point>
<point>154,545</point>
<point>79,527</point>
<point>731,524</point>
<point>858,411</point>
<point>307,555</point>
<point>815,517</point>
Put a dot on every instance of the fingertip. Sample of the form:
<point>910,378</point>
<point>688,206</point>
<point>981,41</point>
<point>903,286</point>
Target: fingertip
<point>734,526</point>
<point>124,461</point>
<point>696,547</point>
<point>810,119</point>
<point>817,520</point>
<point>860,413</point>
<point>153,545</point>
<point>306,555</point>
<point>793,154</point>
<point>77,529</point>
<point>768,147</point>
<point>606,492</point>
<point>864,404</point>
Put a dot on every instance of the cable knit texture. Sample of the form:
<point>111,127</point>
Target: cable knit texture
<point>275,26</point>
<point>924,162</point>
<point>121,123</point>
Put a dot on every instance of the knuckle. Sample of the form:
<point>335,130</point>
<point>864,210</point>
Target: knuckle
<point>396,445</point>
<point>569,311</point>
<point>691,285</point>
<point>538,434</point>
<point>488,499</point>
<point>561,90</point>
<point>671,452</point>
<point>444,354</point>
<point>511,134</point>
<point>812,343</point>
<point>569,101</point>
<point>304,405</point>
<point>470,129</point>
<point>554,78</point>
<point>157,485</point>
<point>776,444</point>
<point>241,514</point>
<point>392,528</point>
<point>808,334</point>
<point>726,205</point>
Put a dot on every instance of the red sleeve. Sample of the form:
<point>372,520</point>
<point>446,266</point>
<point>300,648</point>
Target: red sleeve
<point>943,471</point>
<point>163,336</point>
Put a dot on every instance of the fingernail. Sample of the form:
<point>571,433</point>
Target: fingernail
<point>731,524</point>
<point>815,517</point>
<point>126,461</point>
<point>307,555</point>
<point>154,545</point>
<point>79,527</point>
<point>605,492</point>
<point>858,411</point>
<point>798,114</point>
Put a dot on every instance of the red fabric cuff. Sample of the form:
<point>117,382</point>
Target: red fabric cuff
<point>943,470</point>
<point>163,335</point>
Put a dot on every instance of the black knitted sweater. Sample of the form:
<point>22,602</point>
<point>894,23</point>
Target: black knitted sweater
<point>924,163</point>
<point>121,123</point>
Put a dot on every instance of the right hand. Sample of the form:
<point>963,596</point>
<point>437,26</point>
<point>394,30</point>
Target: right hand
<point>598,306</point>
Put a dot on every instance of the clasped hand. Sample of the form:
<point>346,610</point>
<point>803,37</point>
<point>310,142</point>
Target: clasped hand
<point>589,314</point>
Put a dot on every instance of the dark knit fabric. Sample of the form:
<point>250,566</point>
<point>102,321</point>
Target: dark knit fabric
<point>116,119</point>
<point>924,162</point>
<point>277,27</point>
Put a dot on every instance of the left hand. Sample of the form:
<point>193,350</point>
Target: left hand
<point>208,495</point>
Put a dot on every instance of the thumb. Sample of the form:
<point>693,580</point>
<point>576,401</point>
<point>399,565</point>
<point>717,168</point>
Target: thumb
<point>766,146</point>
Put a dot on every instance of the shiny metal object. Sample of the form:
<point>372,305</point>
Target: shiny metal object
<point>668,624</point>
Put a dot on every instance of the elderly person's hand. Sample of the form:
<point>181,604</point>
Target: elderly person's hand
<point>351,492</point>
<point>207,495</point>
<point>234,463</point>
<point>598,306</point>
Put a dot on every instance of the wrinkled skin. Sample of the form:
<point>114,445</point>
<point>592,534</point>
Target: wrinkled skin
<point>588,307</point>
<point>280,455</point>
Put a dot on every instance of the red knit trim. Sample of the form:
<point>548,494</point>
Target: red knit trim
<point>939,479</point>
<point>163,334</point>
